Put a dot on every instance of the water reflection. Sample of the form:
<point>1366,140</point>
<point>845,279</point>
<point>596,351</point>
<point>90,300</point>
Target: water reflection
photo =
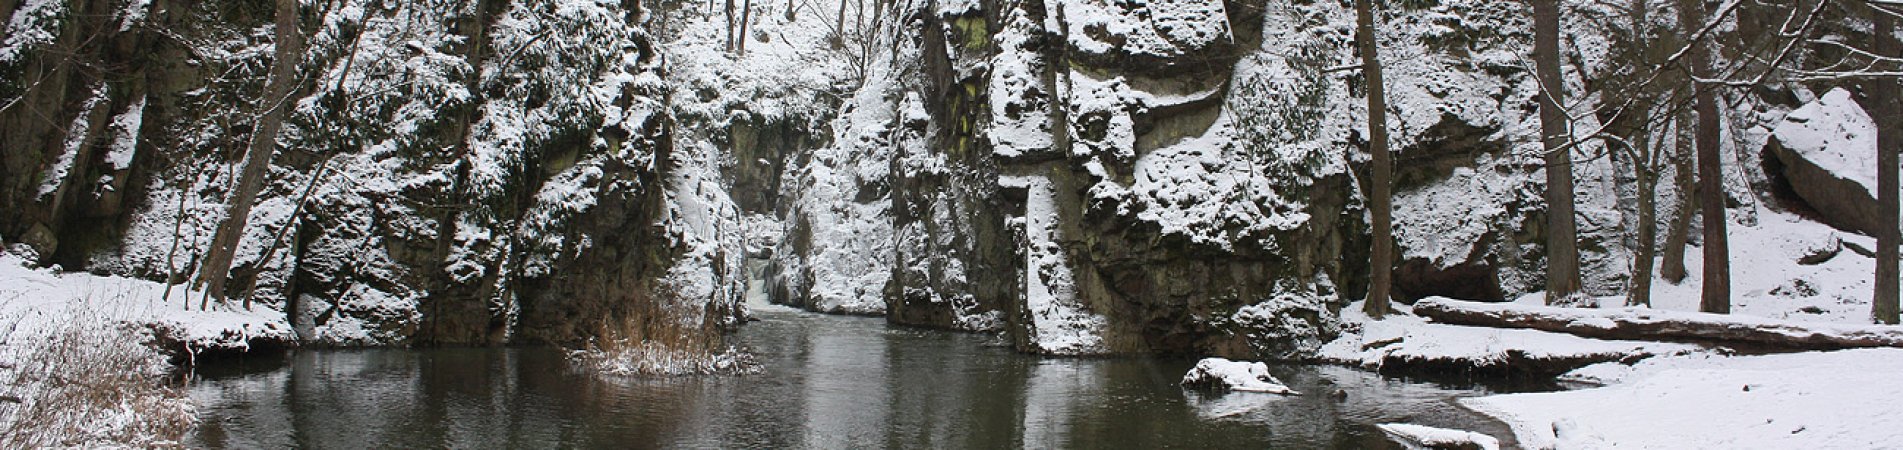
<point>830,382</point>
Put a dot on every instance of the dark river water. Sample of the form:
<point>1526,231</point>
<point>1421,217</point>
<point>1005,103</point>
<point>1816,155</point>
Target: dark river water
<point>829,382</point>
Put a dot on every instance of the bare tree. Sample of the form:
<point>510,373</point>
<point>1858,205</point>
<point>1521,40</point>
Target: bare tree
<point>1380,198</point>
<point>1883,93</point>
<point>746,18</point>
<point>6,14</point>
<point>1562,247</point>
<point>1679,233</point>
<point>839,27</point>
<point>263,146</point>
<point>1645,162</point>
<point>1642,154</point>
<point>1711,188</point>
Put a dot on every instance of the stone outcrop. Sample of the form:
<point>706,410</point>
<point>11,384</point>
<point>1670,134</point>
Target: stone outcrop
<point>1825,153</point>
<point>1175,176</point>
<point>440,180</point>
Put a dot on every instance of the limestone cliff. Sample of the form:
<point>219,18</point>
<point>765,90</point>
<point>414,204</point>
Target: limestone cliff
<point>461,172</point>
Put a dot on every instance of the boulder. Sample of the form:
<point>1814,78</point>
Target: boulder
<point>1414,437</point>
<point>1240,376</point>
<point>1826,152</point>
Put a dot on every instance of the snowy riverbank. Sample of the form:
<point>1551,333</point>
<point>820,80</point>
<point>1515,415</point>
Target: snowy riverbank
<point>1795,272</point>
<point>37,302</point>
<point>1840,399</point>
<point>81,360</point>
<point>1648,394</point>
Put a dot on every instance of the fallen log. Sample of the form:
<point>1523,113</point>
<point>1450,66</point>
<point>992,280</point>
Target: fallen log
<point>1660,325</point>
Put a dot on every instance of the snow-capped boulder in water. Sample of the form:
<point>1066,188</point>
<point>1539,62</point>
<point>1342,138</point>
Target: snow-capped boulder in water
<point>1827,152</point>
<point>1414,437</point>
<point>1240,376</point>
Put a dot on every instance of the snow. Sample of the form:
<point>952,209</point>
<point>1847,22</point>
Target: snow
<point>1766,278</point>
<point>1447,243</point>
<point>1402,338</point>
<point>1835,133</point>
<point>703,220</point>
<point>839,201</point>
<point>1020,107</point>
<point>55,175</point>
<point>1420,437</point>
<point>1588,321</point>
<point>1239,376</point>
<point>1060,322</point>
<point>34,24</point>
<point>135,13</point>
<point>36,302</point>
<point>1842,399</point>
<point>1202,189</point>
<point>125,135</point>
<point>1158,29</point>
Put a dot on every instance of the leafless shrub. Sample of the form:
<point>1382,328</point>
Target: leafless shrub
<point>661,336</point>
<point>88,383</point>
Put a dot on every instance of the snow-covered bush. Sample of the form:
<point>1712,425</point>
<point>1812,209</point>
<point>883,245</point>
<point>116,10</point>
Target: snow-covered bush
<point>87,383</point>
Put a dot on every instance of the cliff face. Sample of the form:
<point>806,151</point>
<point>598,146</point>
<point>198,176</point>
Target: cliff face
<point>481,171</point>
<point>1083,176</point>
<point>1176,176</point>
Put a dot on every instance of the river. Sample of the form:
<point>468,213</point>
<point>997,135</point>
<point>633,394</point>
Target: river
<point>828,382</point>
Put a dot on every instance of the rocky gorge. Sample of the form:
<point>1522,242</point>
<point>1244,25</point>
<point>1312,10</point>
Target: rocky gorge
<point>1084,177</point>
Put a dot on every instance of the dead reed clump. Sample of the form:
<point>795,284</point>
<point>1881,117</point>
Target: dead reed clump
<point>661,338</point>
<point>89,383</point>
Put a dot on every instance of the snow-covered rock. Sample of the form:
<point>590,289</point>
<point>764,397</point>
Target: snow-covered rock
<point>1828,150</point>
<point>1420,437</point>
<point>1239,376</point>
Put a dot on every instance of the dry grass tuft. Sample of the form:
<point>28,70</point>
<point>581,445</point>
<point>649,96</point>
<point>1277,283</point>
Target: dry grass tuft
<point>90,383</point>
<point>661,338</point>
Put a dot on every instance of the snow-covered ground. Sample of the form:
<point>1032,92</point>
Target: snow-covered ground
<point>1667,395</point>
<point>1768,281</point>
<point>1404,339</point>
<point>37,302</point>
<point>1841,399</point>
<point>78,362</point>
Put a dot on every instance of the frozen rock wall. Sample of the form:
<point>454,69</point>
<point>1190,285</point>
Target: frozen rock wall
<point>455,172</point>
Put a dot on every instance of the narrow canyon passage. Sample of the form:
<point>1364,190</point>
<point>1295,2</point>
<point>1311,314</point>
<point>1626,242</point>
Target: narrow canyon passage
<point>827,382</point>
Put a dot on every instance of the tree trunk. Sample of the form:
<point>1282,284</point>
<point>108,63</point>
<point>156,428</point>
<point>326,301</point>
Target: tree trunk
<point>6,14</point>
<point>746,18</point>
<point>1645,158</point>
<point>1644,169</point>
<point>1562,247</point>
<point>839,33</point>
<point>1711,188</point>
<point>257,166</point>
<point>727,10</point>
<point>1889,139</point>
<point>859,20</point>
<point>1676,238</point>
<point>1380,201</point>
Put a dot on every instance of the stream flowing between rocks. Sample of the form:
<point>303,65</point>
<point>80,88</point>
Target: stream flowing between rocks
<point>828,382</point>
